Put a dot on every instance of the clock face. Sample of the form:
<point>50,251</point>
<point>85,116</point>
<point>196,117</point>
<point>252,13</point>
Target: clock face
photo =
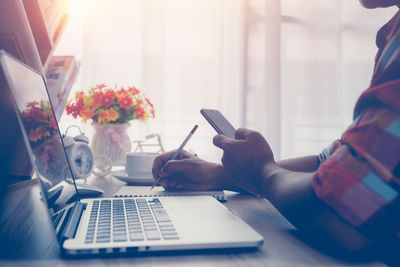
<point>82,161</point>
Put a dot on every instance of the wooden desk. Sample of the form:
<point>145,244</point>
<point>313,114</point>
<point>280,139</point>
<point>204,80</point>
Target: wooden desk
<point>26,237</point>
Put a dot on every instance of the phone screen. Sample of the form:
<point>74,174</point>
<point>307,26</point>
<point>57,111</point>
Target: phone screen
<point>219,122</point>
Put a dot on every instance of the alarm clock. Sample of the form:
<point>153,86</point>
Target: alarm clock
<point>79,154</point>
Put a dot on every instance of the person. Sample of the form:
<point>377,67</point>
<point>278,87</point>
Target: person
<point>349,194</point>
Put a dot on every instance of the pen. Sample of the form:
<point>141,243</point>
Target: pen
<point>175,155</point>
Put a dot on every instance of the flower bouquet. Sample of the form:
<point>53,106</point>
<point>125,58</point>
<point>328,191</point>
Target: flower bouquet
<point>39,122</point>
<point>42,128</point>
<point>110,111</point>
<point>105,105</point>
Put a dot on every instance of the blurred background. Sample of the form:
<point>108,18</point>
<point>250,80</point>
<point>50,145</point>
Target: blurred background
<point>290,69</point>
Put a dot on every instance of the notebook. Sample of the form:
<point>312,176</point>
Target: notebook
<point>159,191</point>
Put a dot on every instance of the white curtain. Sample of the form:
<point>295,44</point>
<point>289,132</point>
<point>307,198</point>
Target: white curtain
<point>185,55</point>
<point>328,48</point>
<point>290,69</point>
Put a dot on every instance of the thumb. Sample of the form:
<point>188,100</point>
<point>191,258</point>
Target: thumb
<point>225,143</point>
<point>221,141</point>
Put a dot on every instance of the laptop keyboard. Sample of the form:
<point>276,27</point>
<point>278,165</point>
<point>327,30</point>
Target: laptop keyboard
<point>55,218</point>
<point>122,220</point>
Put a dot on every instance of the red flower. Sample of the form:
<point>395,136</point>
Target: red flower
<point>108,98</point>
<point>32,104</point>
<point>148,102</point>
<point>53,123</point>
<point>121,91</point>
<point>125,101</point>
<point>75,109</point>
<point>133,90</point>
<point>139,113</point>
<point>96,99</point>
<point>100,86</point>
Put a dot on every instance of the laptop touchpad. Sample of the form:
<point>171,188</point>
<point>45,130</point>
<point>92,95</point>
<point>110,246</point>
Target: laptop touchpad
<point>202,213</point>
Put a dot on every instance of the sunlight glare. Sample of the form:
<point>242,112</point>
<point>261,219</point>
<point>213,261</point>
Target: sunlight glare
<point>76,8</point>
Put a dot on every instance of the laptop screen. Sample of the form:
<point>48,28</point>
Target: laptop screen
<point>41,132</point>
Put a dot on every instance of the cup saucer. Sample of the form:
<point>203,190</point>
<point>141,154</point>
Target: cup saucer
<point>142,179</point>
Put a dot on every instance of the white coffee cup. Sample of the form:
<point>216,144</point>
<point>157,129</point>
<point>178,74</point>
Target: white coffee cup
<point>139,164</point>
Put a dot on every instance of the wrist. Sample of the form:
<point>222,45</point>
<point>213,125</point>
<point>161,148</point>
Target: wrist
<point>224,179</point>
<point>268,174</point>
<point>269,169</point>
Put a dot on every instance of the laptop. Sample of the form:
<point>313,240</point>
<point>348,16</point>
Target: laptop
<point>110,225</point>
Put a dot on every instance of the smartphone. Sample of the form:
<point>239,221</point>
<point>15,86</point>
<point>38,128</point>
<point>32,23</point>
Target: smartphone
<point>218,122</point>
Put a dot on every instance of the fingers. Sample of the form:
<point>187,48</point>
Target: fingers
<point>175,166</point>
<point>171,173</point>
<point>243,133</point>
<point>159,162</point>
<point>172,183</point>
<point>224,142</point>
<point>162,159</point>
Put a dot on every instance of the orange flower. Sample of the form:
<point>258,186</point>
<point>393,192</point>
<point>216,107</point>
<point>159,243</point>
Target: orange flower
<point>112,115</point>
<point>102,118</point>
<point>79,95</point>
<point>125,101</point>
<point>96,99</point>
<point>34,135</point>
<point>38,133</point>
<point>108,98</point>
<point>87,114</point>
<point>44,132</point>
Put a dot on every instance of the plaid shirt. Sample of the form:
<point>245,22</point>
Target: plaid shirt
<point>359,176</point>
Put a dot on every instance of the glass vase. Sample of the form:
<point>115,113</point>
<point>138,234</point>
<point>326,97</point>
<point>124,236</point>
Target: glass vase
<point>111,140</point>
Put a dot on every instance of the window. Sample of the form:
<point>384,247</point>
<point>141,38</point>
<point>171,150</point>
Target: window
<point>328,49</point>
<point>290,69</point>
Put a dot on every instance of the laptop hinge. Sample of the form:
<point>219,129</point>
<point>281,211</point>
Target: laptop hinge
<point>73,221</point>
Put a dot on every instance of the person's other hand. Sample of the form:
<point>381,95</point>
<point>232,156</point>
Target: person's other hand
<point>245,157</point>
<point>187,172</point>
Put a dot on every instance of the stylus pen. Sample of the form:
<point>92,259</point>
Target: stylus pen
<point>175,155</point>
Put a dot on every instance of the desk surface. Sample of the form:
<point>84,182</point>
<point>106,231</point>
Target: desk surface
<point>26,237</point>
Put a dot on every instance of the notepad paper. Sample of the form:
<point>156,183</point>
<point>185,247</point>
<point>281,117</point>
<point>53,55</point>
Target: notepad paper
<point>159,191</point>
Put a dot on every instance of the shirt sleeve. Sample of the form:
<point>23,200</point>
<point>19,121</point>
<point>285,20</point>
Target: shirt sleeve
<point>360,178</point>
<point>323,156</point>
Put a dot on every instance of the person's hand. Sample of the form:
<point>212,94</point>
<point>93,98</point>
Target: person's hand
<point>245,157</point>
<point>188,172</point>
